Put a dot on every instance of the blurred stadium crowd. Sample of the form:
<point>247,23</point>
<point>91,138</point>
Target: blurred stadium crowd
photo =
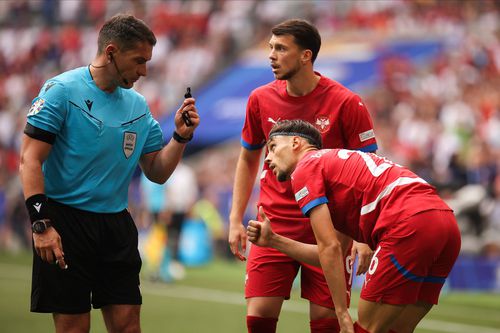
<point>441,119</point>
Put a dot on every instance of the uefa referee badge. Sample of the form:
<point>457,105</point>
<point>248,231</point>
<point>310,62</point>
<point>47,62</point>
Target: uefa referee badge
<point>129,139</point>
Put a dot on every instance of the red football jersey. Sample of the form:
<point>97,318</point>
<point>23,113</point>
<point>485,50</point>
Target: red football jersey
<point>338,113</point>
<point>365,193</point>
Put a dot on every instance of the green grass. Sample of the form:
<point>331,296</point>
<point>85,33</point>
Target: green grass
<point>210,299</point>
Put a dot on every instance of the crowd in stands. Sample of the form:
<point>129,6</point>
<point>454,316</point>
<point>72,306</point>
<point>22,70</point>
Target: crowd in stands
<point>441,119</point>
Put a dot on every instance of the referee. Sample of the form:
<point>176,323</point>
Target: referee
<point>86,132</point>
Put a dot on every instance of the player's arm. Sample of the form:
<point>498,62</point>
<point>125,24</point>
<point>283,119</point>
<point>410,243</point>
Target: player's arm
<point>33,153</point>
<point>261,234</point>
<point>331,259</point>
<point>158,166</point>
<point>244,179</point>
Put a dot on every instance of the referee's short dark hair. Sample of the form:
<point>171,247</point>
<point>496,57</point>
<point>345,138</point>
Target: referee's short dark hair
<point>300,128</point>
<point>305,34</point>
<point>126,31</point>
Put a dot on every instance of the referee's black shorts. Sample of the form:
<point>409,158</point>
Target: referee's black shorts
<point>103,263</point>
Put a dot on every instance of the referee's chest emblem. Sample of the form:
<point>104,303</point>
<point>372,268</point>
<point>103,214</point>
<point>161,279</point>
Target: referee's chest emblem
<point>129,139</point>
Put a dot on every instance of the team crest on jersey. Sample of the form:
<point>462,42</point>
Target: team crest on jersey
<point>322,124</point>
<point>36,107</point>
<point>129,140</point>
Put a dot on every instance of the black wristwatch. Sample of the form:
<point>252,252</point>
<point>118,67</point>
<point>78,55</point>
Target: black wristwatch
<point>39,226</point>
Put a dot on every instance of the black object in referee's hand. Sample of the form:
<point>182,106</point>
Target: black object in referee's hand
<point>185,114</point>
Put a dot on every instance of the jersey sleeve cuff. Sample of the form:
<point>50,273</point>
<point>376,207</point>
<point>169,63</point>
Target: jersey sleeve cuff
<point>368,149</point>
<point>250,146</point>
<point>316,202</point>
<point>39,134</point>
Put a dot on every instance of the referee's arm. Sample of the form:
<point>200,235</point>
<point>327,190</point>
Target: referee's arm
<point>33,153</point>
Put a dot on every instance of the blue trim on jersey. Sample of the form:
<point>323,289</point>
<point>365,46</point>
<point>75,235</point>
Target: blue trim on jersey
<point>251,147</point>
<point>410,276</point>
<point>312,204</point>
<point>368,149</point>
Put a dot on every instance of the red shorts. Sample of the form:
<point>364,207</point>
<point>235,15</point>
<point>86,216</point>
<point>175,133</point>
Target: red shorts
<point>271,273</point>
<point>413,259</point>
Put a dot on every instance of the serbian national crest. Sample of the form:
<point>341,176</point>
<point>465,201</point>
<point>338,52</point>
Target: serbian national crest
<point>129,139</point>
<point>322,124</point>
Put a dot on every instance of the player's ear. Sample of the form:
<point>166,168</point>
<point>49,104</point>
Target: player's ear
<point>306,56</point>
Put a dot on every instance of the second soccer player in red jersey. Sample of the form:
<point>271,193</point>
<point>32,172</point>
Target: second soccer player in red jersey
<point>375,201</point>
<point>344,122</point>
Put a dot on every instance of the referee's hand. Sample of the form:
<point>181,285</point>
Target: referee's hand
<point>48,246</point>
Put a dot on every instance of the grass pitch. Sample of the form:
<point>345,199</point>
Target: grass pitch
<point>210,299</point>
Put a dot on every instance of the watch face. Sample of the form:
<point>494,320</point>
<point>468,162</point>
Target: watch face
<point>38,227</point>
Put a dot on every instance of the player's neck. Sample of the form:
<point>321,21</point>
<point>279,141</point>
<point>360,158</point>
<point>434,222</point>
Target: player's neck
<point>304,151</point>
<point>302,83</point>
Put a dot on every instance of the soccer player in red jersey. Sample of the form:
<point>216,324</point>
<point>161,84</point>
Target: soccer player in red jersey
<point>344,122</point>
<point>373,200</point>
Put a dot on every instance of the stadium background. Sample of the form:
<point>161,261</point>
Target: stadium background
<point>429,72</point>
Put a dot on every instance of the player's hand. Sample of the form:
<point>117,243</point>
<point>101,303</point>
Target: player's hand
<point>260,232</point>
<point>238,240</point>
<point>345,322</point>
<point>364,256</point>
<point>180,127</point>
<point>48,246</point>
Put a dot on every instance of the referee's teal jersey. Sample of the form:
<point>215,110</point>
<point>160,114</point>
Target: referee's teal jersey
<point>99,138</point>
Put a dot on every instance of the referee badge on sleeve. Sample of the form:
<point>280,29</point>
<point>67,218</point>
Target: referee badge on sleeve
<point>129,139</point>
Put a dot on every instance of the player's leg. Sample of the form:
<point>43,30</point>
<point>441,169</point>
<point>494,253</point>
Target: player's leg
<point>269,280</point>
<point>321,310</point>
<point>446,229</point>
<point>410,317</point>
<point>322,319</point>
<point>269,307</point>
<point>408,269</point>
<point>72,323</point>
<point>122,318</point>
<point>377,317</point>
<point>263,313</point>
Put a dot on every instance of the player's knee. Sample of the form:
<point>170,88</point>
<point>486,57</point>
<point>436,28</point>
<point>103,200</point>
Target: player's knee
<point>261,325</point>
<point>324,325</point>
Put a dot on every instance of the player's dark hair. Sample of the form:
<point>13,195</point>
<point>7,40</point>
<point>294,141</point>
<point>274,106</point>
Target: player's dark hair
<point>300,128</point>
<point>126,31</point>
<point>305,34</point>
